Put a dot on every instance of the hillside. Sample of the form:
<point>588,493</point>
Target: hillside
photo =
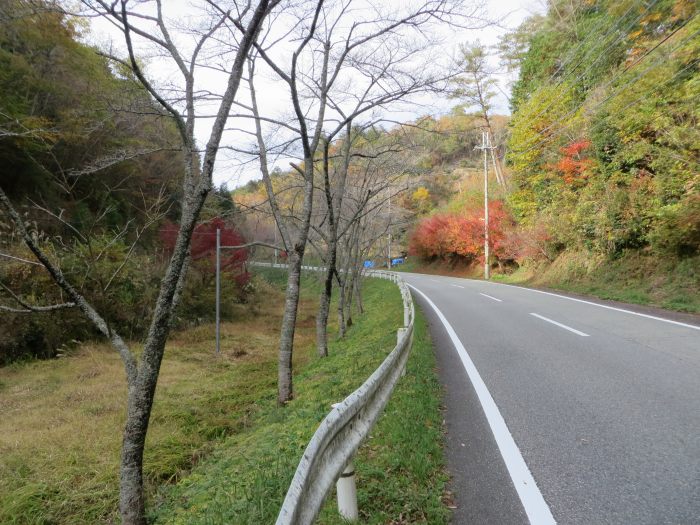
<point>603,191</point>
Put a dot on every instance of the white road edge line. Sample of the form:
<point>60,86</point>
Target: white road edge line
<point>490,297</point>
<point>678,323</point>
<point>559,324</point>
<point>457,286</point>
<point>535,506</point>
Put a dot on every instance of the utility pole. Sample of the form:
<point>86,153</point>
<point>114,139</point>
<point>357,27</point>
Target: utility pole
<point>218,290</point>
<point>496,164</point>
<point>218,284</point>
<point>486,147</point>
<point>389,246</point>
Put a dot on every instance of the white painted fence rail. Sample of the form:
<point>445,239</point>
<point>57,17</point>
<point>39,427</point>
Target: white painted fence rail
<point>340,433</point>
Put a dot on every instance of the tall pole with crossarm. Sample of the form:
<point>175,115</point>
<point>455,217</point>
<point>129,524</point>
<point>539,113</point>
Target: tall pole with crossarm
<point>485,147</point>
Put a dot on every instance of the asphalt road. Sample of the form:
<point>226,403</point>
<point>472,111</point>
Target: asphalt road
<point>598,407</point>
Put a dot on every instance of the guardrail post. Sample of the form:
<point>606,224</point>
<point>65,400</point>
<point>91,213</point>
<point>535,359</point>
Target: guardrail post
<point>347,491</point>
<point>399,334</point>
<point>347,494</point>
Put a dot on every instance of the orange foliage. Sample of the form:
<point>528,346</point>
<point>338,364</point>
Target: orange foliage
<point>460,235</point>
<point>520,243</point>
<point>574,166</point>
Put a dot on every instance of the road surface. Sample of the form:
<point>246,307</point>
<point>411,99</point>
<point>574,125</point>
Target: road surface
<point>560,410</point>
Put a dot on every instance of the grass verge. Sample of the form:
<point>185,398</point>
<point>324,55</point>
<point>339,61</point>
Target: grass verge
<point>401,475</point>
<point>61,420</point>
<point>634,278</point>
<point>219,449</point>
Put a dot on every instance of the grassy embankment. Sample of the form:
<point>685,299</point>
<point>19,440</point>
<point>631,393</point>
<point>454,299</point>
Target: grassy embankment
<point>634,278</point>
<point>219,450</point>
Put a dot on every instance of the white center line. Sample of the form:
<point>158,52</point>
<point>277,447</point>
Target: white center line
<point>434,280</point>
<point>485,295</point>
<point>607,307</point>
<point>457,286</point>
<point>534,503</point>
<point>559,324</point>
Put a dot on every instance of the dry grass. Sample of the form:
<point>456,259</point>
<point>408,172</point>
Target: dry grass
<point>636,277</point>
<point>61,420</point>
<point>400,466</point>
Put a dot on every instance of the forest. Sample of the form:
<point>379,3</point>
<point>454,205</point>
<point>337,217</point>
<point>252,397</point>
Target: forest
<point>601,157</point>
<point>93,163</point>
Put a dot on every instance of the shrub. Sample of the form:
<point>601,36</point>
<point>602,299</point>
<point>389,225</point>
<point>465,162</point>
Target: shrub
<point>450,236</point>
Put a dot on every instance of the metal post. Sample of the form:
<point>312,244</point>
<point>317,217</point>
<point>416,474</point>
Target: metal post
<point>218,290</point>
<point>399,334</point>
<point>347,494</point>
<point>486,145</point>
<point>389,252</point>
<point>389,246</point>
<point>486,207</point>
<point>347,491</point>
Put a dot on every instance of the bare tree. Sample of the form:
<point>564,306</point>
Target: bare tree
<point>365,176</point>
<point>340,62</point>
<point>141,26</point>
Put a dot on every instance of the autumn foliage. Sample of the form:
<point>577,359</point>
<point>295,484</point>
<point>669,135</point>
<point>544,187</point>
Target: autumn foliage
<point>203,248</point>
<point>460,236</point>
<point>574,164</point>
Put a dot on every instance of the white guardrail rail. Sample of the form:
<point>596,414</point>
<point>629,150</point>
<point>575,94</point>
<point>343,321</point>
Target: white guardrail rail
<point>330,451</point>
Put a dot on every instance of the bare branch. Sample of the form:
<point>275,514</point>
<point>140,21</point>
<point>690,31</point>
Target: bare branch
<point>28,308</point>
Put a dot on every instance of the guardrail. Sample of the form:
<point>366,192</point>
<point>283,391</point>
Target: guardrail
<point>330,451</point>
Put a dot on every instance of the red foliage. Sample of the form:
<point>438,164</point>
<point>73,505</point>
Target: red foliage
<point>576,148</point>
<point>449,235</point>
<point>527,243</point>
<point>203,248</point>
<point>573,166</point>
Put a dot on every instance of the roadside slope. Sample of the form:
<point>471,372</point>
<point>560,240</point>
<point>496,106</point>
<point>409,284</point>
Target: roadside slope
<point>400,467</point>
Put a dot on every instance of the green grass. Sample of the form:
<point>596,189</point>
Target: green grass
<point>219,450</point>
<point>400,468</point>
<point>61,420</point>
<point>634,278</point>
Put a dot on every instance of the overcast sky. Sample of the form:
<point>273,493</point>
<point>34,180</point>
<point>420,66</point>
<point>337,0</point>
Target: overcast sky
<point>229,170</point>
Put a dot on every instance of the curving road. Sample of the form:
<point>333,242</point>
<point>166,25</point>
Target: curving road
<point>562,410</point>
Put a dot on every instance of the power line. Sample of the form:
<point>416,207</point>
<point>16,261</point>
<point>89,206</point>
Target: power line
<point>600,55</point>
<point>659,149</point>
<point>560,120</point>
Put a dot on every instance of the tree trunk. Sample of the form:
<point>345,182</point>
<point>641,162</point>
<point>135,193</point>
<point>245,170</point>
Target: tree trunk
<point>325,302</point>
<point>341,309</point>
<point>358,295</point>
<point>131,496</point>
<point>291,302</point>
<point>349,287</point>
